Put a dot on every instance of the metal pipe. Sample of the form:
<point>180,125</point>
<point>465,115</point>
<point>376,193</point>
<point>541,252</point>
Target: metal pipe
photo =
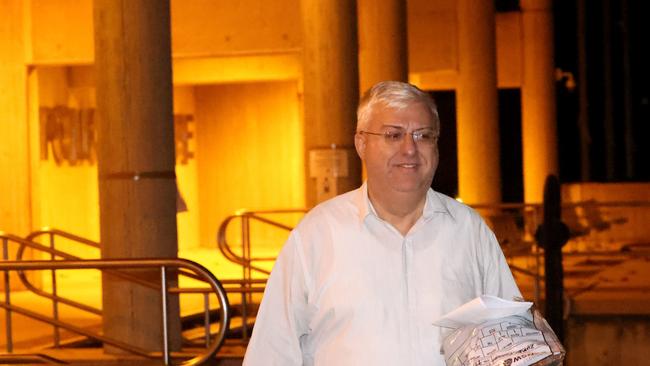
<point>55,303</point>
<point>247,272</point>
<point>5,255</point>
<point>65,234</point>
<point>226,250</point>
<point>78,330</point>
<point>163,294</point>
<point>206,317</point>
<point>114,264</point>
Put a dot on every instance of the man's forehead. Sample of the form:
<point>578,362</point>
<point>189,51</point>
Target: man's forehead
<point>412,114</point>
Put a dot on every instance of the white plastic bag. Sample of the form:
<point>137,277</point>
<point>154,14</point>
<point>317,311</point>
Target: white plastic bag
<point>509,341</point>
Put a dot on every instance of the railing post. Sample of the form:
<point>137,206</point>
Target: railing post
<point>5,256</point>
<point>206,318</point>
<point>55,301</point>
<point>163,293</point>
<point>246,247</point>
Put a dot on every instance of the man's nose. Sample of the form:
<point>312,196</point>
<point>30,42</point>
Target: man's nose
<point>408,145</point>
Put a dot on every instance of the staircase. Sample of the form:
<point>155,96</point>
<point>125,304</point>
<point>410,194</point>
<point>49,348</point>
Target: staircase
<point>75,321</point>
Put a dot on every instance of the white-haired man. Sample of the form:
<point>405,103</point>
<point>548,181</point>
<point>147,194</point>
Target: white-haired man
<point>363,276</point>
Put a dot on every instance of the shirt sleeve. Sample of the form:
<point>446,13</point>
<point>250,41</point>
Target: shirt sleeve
<point>497,278</point>
<point>282,318</point>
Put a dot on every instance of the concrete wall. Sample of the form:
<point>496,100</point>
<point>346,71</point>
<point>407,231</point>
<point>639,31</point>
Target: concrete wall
<point>216,45</point>
<point>249,139</point>
<point>623,208</point>
<point>61,32</point>
<point>608,340</point>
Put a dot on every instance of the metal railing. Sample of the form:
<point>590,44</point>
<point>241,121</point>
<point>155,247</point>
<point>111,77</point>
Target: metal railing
<point>52,248</point>
<point>114,267</point>
<point>248,285</point>
<point>29,358</point>
<point>57,254</point>
<point>51,235</point>
<point>246,259</point>
<point>516,234</point>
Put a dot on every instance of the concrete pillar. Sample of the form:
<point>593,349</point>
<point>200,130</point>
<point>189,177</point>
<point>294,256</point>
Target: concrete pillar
<point>539,129</point>
<point>331,85</point>
<point>479,170</point>
<point>15,210</point>
<point>137,189</point>
<point>15,217</point>
<point>383,48</point>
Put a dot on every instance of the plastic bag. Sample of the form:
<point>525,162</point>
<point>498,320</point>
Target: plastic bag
<point>510,341</point>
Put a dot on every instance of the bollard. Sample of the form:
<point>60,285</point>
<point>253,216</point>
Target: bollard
<point>552,235</point>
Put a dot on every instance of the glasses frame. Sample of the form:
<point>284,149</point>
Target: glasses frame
<point>415,135</point>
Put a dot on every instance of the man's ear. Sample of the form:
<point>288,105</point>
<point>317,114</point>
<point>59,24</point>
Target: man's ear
<point>360,145</point>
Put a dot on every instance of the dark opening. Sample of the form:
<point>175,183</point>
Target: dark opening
<point>446,178</point>
<point>512,180</point>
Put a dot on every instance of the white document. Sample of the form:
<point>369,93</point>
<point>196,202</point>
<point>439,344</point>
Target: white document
<point>481,309</point>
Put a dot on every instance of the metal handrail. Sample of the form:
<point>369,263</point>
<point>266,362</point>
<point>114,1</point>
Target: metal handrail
<point>29,358</point>
<point>64,234</point>
<point>142,263</point>
<point>244,287</point>
<point>54,253</point>
<point>244,259</point>
<point>29,242</point>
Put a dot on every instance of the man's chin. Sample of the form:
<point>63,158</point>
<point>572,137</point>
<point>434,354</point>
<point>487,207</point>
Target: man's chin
<point>410,188</point>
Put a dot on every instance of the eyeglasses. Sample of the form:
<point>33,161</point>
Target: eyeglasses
<point>424,137</point>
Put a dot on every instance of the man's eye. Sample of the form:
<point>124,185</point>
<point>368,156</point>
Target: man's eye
<point>426,136</point>
<point>393,136</point>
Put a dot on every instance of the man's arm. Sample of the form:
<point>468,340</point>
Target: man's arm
<point>497,278</point>
<point>282,317</point>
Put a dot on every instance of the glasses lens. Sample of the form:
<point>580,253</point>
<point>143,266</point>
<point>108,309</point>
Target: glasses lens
<point>427,137</point>
<point>393,136</point>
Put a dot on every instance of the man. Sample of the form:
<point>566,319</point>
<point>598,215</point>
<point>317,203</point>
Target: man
<point>364,275</point>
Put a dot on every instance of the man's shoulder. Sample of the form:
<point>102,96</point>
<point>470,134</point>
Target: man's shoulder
<point>458,210</point>
<point>340,209</point>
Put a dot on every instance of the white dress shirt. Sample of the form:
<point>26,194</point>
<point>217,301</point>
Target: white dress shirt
<point>349,289</point>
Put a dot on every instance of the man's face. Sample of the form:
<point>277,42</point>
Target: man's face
<point>405,165</point>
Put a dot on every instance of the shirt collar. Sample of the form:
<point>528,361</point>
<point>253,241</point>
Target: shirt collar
<point>433,204</point>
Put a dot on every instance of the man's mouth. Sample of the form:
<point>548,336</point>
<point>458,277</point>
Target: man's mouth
<point>408,166</point>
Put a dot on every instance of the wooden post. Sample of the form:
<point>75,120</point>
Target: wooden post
<point>137,188</point>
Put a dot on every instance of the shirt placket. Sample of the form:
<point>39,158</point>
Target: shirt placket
<point>410,296</point>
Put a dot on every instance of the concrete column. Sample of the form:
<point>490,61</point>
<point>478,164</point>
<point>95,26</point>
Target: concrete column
<point>15,213</point>
<point>331,85</point>
<point>15,210</point>
<point>383,48</point>
<point>479,170</point>
<point>137,188</point>
<point>539,129</point>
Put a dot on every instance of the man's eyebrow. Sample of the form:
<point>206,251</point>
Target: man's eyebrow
<point>402,128</point>
<point>392,126</point>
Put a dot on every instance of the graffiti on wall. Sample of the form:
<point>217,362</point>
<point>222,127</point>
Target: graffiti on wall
<point>70,135</point>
